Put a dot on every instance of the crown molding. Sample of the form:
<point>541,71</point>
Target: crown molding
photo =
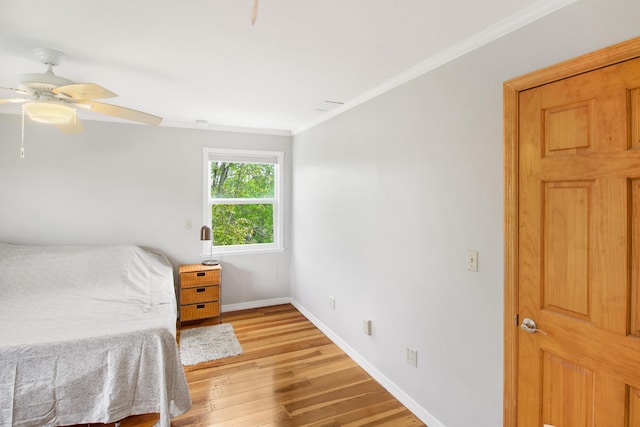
<point>227,128</point>
<point>534,12</point>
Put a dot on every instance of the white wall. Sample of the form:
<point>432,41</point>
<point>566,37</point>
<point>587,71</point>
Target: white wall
<point>128,184</point>
<point>389,196</point>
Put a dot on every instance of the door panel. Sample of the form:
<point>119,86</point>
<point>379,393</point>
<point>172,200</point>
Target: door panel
<point>567,395</point>
<point>569,129</point>
<point>566,223</point>
<point>634,109</point>
<point>578,250</point>
<point>635,257</point>
<point>634,407</point>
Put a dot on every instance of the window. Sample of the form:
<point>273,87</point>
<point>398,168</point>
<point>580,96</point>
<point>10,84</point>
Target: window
<point>243,200</point>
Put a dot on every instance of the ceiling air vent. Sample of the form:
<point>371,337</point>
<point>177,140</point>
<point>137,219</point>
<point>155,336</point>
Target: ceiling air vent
<point>328,105</point>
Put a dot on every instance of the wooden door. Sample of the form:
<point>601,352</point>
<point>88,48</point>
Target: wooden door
<point>577,261</point>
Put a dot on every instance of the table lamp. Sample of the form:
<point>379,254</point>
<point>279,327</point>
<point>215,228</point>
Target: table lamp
<point>207,234</point>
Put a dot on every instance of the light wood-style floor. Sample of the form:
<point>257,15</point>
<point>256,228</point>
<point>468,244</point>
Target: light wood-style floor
<point>290,374</point>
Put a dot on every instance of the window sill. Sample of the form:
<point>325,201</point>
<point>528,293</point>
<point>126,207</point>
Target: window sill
<point>242,252</point>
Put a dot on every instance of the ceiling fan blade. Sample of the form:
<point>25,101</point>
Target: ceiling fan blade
<point>122,112</point>
<point>74,126</point>
<point>13,89</point>
<point>84,91</point>
<point>13,100</point>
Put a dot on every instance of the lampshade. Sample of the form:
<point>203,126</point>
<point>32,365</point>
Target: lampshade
<point>205,233</point>
<point>50,112</point>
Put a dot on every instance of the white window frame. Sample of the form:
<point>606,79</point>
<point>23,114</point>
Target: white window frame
<point>247,156</point>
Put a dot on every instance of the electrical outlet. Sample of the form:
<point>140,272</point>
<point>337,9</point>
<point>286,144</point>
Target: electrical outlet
<point>412,357</point>
<point>332,303</point>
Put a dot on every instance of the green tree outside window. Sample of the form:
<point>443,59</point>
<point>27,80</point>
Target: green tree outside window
<point>239,213</point>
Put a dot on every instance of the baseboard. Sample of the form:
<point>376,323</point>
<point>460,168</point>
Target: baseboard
<point>255,304</point>
<point>391,387</point>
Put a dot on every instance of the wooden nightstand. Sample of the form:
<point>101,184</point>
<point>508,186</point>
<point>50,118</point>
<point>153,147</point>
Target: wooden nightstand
<point>199,292</point>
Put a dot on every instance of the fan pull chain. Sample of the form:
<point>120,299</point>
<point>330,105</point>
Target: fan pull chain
<point>22,141</point>
<point>254,12</point>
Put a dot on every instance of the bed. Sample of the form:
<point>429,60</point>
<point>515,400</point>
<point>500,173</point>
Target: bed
<point>87,335</point>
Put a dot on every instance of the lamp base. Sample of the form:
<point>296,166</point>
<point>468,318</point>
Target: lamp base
<point>210,262</point>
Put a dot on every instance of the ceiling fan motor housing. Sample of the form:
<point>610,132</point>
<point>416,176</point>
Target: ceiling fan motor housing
<point>41,82</point>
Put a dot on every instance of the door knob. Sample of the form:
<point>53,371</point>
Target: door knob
<point>529,326</point>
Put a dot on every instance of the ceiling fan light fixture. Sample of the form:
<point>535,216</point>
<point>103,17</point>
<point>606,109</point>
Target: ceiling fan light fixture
<point>49,112</point>
<point>83,106</point>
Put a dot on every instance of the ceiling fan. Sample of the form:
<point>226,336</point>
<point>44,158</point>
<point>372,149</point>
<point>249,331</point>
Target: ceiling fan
<point>48,98</point>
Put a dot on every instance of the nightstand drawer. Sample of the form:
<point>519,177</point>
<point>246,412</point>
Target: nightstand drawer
<point>199,278</point>
<point>200,294</point>
<point>199,311</point>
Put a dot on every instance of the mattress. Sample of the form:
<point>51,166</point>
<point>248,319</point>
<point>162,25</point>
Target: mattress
<point>87,334</point>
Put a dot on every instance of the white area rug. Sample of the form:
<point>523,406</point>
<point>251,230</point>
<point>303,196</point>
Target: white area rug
<point>208,343</point>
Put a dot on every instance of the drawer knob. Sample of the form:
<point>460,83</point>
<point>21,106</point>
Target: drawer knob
<point>200,306</point>
<point>200,274</point>
<point>200,290</point>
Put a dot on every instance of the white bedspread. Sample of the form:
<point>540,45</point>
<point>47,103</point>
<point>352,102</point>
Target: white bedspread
<point>87,334</point>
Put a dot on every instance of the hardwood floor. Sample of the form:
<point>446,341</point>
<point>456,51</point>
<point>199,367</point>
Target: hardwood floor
<point>290,374</point>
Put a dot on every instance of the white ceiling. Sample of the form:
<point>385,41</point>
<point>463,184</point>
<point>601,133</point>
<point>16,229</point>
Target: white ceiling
<point>203,60</point>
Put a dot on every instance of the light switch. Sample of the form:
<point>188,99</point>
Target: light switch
<point>472,260</point>
<point>366,327</point>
